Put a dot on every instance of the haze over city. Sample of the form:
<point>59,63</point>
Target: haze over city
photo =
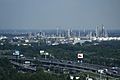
<point>50,14</point>
<point>59,39</point>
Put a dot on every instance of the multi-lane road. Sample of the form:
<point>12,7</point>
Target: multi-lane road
<point>69,65</point>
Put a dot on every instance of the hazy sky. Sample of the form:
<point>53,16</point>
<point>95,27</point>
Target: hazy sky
<point>50,14</point>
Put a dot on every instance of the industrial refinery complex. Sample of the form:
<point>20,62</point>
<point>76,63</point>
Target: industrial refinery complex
<point>57,37</point>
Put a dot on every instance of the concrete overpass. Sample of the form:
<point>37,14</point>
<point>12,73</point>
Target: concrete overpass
<point>85,67</point>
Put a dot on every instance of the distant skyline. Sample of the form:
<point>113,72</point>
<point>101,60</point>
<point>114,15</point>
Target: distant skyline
<point>62,14</point>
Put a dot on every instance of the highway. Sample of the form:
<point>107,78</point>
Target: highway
<point>85,67</point>
<point>23,66</point>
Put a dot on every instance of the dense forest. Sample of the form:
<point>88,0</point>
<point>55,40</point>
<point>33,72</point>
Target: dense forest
<point>102,53</point>
<point>105,53</point>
